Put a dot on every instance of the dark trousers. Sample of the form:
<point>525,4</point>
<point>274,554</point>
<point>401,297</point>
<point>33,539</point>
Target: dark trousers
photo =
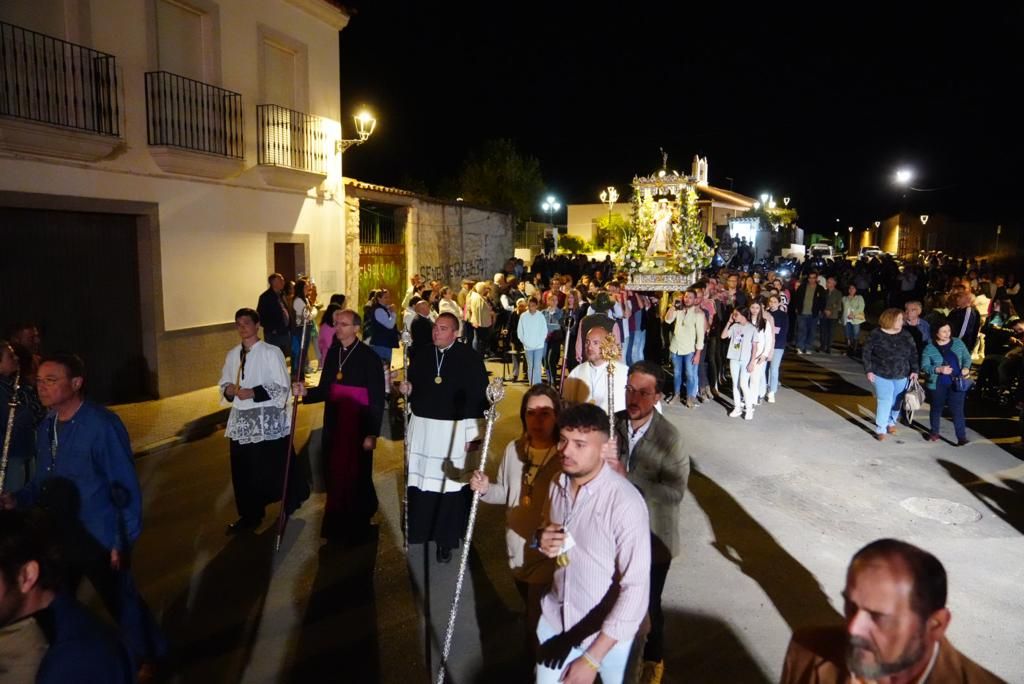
<point>805,327</point>
<point>942,396</point>
<point>712,356</point>
<point>468,334</point>
<point>87,558</point>
<point>281,340</point>
<point>828,326</point>
<point>654,650</point>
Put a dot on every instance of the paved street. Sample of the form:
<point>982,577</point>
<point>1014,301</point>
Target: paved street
<point>775,509</point>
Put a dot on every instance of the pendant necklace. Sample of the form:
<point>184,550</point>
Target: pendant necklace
<point>562,560</point>
<point>526,485</point>
<point>341,364</point>
<point>438,363</point>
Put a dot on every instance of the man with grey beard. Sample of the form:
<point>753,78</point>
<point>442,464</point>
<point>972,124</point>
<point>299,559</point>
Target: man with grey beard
<point>896,620</point>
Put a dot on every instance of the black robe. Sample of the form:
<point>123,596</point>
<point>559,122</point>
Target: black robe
<point>461,395</point>
<point>361,368</point>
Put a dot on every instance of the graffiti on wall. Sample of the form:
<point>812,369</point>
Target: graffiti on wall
<point>457,270</point>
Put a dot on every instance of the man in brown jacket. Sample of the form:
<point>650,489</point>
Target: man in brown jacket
<point>896,620</point>
<point>648,450</point>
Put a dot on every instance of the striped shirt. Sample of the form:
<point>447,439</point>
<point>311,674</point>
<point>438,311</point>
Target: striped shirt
<point>610,527</point>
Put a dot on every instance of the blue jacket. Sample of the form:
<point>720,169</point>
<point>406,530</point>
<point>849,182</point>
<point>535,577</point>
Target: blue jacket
<point>931,358</point>
<point>81,648</point>
<point>95,457</point>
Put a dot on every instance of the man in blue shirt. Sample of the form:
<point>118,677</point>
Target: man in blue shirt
<point>85,477</point>
<point>46,636</point>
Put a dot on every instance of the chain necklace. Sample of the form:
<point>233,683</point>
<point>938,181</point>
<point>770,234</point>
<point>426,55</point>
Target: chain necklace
<point>341,364</point>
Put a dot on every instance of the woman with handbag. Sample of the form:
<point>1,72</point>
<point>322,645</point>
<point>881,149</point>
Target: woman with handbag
<point>852,317</point>
<point>890,358</point>
<point>947,361</point>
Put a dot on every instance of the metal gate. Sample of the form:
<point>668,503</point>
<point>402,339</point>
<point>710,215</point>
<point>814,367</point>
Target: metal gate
<point>381,252</point>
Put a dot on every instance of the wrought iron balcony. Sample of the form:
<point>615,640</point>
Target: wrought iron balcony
<point>51,81</point>
<point>191,115</point>
<point>290,140</point>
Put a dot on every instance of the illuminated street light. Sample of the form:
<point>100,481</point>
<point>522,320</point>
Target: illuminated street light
<point>609,196</point>
<point>550,206</point>
<point>365,125</point>
<point>878,224</point>
<point>904,176</point>
<point>764,198</point>
<point>757,205</point>
<point>924,219</point>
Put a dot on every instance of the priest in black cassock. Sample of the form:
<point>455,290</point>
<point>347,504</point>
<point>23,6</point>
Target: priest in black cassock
<point>447,392</point>
<point>352,389</point>
<point>421,327</point>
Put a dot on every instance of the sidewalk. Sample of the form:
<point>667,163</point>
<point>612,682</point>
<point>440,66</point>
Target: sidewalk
<point>161,423</point>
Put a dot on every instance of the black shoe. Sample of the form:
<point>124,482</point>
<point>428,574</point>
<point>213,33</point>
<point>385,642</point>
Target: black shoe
<point>243,524</point>
<point>444,554</point>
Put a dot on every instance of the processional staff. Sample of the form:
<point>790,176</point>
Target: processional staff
<point>12,409</point>
<point>495,393</point>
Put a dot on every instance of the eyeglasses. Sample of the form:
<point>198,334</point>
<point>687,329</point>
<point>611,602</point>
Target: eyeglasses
<point>642,392</point>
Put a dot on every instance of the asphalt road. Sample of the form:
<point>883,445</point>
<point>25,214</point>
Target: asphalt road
<point>776,506</point>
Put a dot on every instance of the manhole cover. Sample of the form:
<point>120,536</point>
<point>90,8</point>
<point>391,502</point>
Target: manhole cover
<point>943,510</point>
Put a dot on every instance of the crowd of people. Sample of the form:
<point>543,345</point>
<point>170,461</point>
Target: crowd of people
<point>592,486</point>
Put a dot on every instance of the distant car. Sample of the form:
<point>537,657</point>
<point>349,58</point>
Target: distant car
<point>871,251</point>
<point>821,249</point>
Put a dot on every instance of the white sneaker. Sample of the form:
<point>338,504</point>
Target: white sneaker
<point>771,397</point>
<point>736,412</point>
<point>749,415</point>
<point>800,352</point>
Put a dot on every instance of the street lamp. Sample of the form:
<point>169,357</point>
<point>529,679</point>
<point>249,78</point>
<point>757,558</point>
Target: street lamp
<point>365,125</point>
<point>550,206</point>
<point>609,196</point>
<point>764,198</point>
<point>785,201</point>
<point>904,176</point>
<point>924,219</point>
<point>849,246</point>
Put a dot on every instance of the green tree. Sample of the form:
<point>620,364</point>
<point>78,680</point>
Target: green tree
<point>497,175</point>
<point>611,232</point>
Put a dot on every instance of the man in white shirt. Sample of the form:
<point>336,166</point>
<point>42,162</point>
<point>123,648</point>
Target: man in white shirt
<point>588,382</point>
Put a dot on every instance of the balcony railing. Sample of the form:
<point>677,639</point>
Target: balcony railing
<point>290,139</point>
<point>192,115</point>
<point>52,81</point>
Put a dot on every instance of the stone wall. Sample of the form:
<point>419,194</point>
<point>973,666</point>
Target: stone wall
<point>449,242</point>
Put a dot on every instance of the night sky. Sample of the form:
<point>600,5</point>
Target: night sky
<point>818,105</point>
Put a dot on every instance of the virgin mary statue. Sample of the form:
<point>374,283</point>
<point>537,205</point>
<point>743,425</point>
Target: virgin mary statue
<point>661,242</point>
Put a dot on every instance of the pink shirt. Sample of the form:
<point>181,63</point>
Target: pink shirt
<point>609,524</point>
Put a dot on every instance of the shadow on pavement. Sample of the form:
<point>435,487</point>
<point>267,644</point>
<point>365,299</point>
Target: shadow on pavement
<point>213,623</point>
<point>830,390</point>
<point>338,638</point>
<point>204,426</point>
<point>1006,500</point>
<point>707,651</point>
<point>744,542</point>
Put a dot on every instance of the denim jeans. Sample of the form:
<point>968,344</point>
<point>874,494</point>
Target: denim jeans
<point>613,665</point>
<point>384,353</point>
<point>682,364</point>
<point>773,370</point>
<point>852,334</point>
<point>888,397</point>
<point>942,396</point>
<point>805,327</point>
<point>534,359</point>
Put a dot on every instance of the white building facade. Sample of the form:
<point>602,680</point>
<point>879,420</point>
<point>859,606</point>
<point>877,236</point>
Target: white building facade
<point>158,159</point>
